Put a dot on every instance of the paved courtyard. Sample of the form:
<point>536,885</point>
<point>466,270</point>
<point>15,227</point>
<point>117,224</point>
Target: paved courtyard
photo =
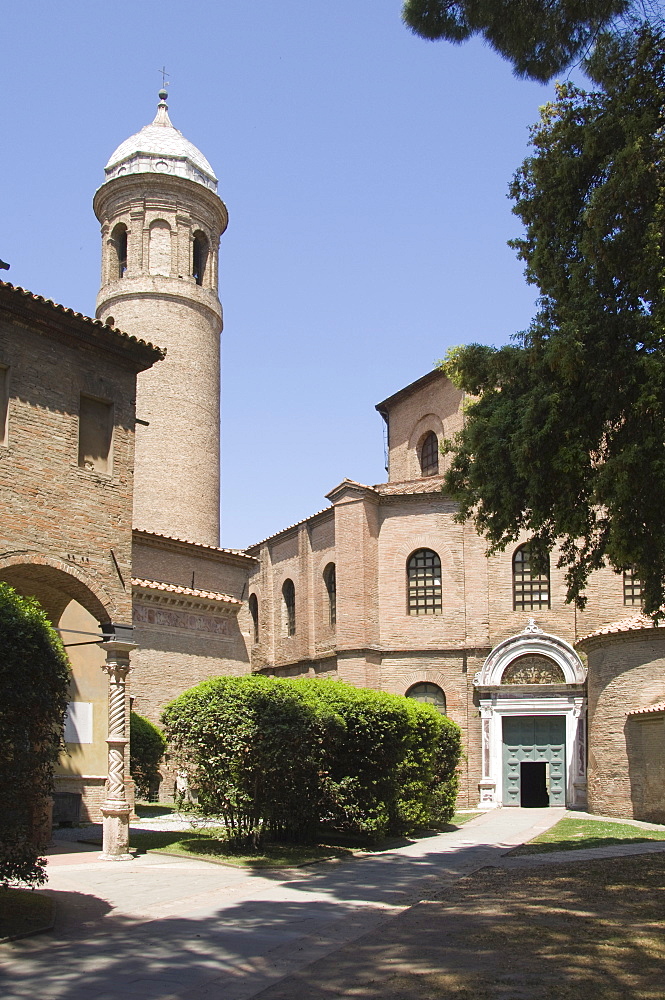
<point>162,928</point>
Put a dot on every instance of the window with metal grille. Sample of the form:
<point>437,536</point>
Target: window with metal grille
<point>429,455</point>
<point>430,694</point>
<point>424,583</point>
<point>632,588</point>
<point>531,590</point>
<point>289,607</point>
<point>254,612</point>
<point>330,581</point>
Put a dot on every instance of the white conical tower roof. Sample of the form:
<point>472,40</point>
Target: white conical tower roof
<point>160,148</point>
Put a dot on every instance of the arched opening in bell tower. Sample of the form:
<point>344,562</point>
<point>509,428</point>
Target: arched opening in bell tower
<point>200,250</point>
<point>119,243</point>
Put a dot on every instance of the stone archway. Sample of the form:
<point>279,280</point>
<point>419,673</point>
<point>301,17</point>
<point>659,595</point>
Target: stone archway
<point>536,682</point>
<point>55,584</point>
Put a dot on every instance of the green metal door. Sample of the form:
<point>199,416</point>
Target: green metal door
<point>534,738</point>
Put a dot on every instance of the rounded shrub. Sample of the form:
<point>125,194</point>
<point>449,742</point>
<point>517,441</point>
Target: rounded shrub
<point>146,750</point>
<point>34,679</point>
<point>283,756</point>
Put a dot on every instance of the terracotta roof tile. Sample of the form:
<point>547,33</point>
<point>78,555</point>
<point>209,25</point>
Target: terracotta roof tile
<point>199,545</point>
<point>290,527</point>
<point>112,331</point>
<point>634,624</point>
<point>171,588</point>
<point>431,484</point>
<point>659,707</point>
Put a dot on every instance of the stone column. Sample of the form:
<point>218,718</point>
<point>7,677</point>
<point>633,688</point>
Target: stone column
<point>487,784</point>
<point>116,808</point>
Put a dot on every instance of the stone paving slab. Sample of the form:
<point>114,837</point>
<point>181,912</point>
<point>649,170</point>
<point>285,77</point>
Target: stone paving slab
<point>172,929</point>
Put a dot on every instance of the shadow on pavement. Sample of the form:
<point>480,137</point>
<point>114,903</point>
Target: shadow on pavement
<point>579,931</point>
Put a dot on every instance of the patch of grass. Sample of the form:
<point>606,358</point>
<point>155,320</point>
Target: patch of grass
<point>23,911</point>
<point>459,819</point>
<point>147,810</point>
<point>211,845</point>
<point>571,834</point>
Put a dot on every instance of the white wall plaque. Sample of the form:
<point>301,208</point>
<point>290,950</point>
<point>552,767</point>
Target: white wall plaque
<point>78,722</point>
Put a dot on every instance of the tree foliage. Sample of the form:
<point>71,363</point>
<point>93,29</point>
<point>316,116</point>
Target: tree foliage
<point>566,438</point>
<point>539,37</point>
<point>34,678</point>
<point>279,757</point>
<point>146,749</point>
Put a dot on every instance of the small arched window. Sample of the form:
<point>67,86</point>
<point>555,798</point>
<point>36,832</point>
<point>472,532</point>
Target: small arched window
<point>430,694</point>
<point>330,580</point>
<point>254,612</point>
<point>199,256</point>
<point>119,241</point>
<point>423,571</point>
<point>429,455</point>
<point>289,607</point>
<point>632,588</point>
<point>531,590</point>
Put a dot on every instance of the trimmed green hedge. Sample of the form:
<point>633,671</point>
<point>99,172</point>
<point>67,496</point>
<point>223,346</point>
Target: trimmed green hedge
<point>283,756</point>
<point>34,679</point>
<point>146,749</point>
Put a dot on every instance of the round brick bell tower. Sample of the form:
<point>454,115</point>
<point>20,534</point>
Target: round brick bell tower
<point>161,222</point>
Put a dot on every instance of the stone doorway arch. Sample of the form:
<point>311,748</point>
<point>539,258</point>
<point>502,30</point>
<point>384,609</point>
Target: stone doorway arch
<point>532,676</point>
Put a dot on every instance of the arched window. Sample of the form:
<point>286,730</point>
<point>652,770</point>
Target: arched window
<point>632,588</point>
<point>160,247</point>
<point>289,607</point>
<point>119,241</point>
<point>254,612</point>
<point>199,256</point>
<point>431,694</point>
<point>531,590</point>
<point>330,581</point>
<point>423,572</point>
<point>429,455</point>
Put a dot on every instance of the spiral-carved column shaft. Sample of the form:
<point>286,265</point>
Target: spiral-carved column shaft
<point>116,808</point>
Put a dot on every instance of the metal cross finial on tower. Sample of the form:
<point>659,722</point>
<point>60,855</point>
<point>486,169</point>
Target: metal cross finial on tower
<point>164,76</point>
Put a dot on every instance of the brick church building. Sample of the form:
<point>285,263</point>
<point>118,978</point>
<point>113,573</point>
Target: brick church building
<point>382,588</point>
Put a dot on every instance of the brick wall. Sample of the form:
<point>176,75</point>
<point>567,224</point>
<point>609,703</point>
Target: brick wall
<point>626,673</point>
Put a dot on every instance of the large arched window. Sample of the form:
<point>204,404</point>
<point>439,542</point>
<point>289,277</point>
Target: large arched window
<point>289,607</point>
<point>430,694</point>
<point>531,590</point>
<point>423,571</point>
<point>119,241</point>
<point>330,581</point>
<point>429,455</point>
<point>254,612</point>
<point>199,256</point>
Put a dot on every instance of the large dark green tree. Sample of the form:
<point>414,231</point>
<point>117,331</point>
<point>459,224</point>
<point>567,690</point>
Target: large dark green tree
<point>566,438</point>
<point>34,678</point>
<point>539,37</point>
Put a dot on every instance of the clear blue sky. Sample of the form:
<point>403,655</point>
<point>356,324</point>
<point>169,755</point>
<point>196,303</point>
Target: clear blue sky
<point>365,172</point>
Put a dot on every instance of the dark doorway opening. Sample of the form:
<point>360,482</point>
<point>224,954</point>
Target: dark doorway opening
<point>533,784</point>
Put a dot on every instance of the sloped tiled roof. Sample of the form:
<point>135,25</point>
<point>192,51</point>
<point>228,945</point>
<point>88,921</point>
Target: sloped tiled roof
<point>283,531</point>
<point>186,541</point>
<point>660,707</point>
<point>171,588</point>
<point>634,624</point>
<point>430,484</point>
<point>22,295</point>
